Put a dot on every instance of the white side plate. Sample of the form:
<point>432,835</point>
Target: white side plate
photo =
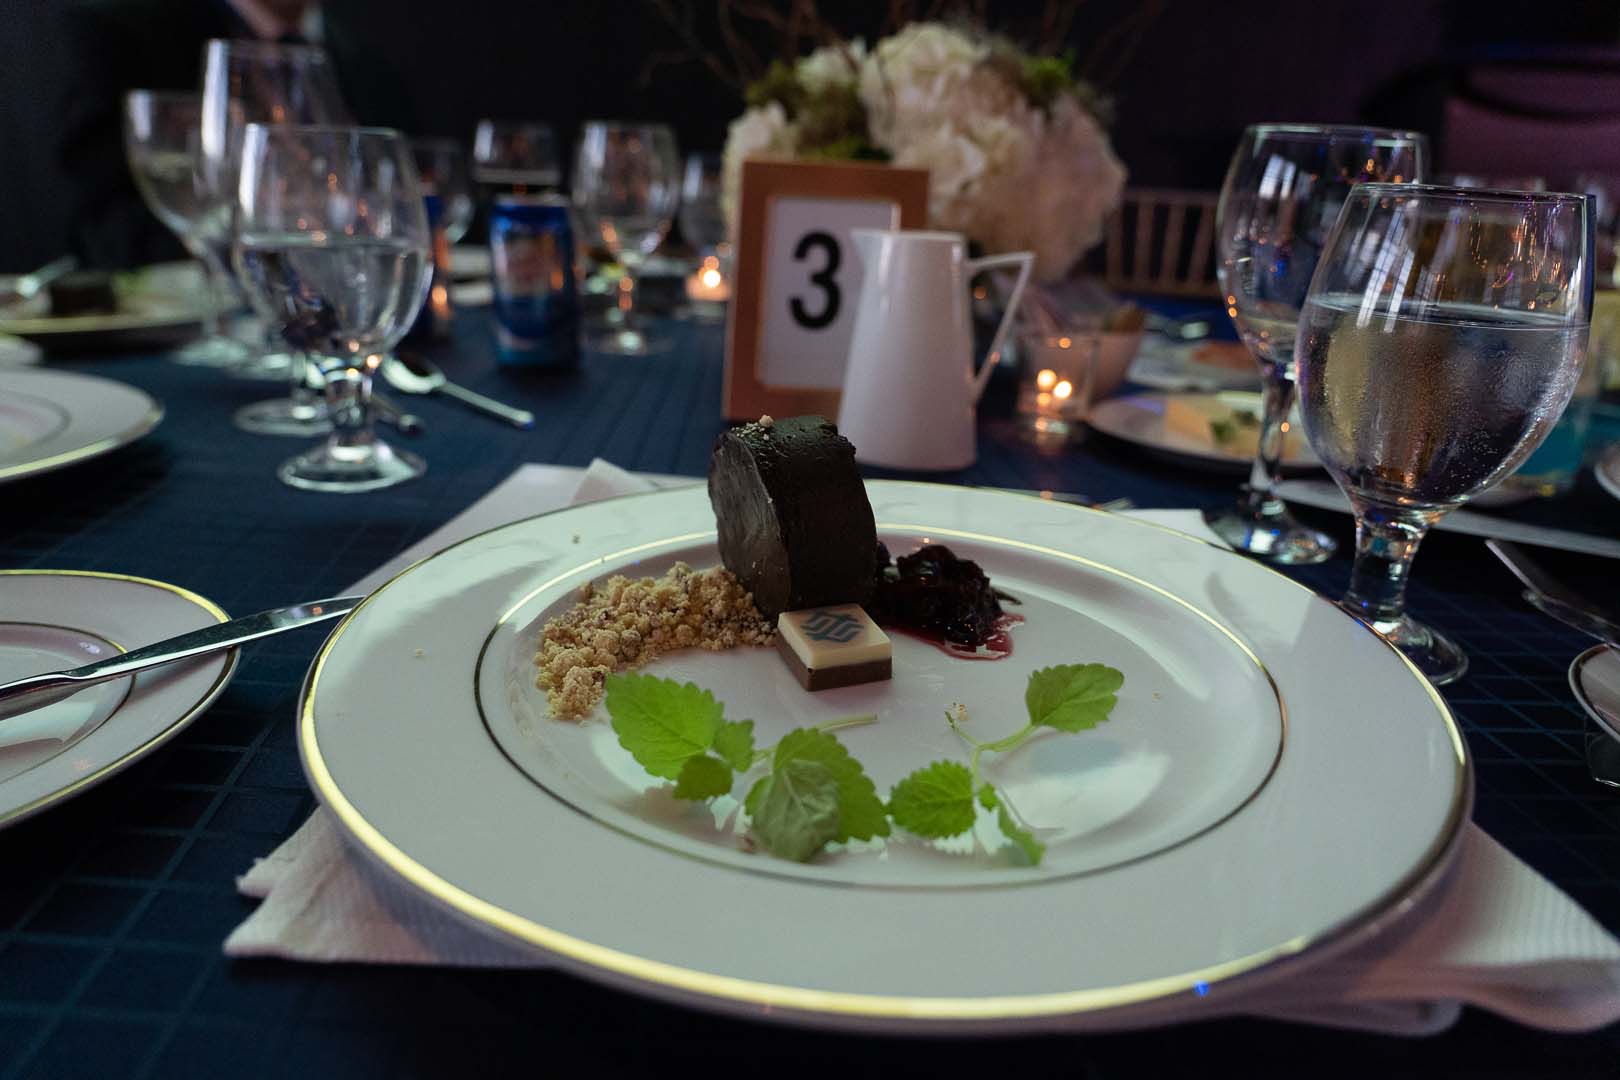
<point>52,419</point>
<point>56,619</point>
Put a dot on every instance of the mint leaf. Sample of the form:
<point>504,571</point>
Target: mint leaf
<point>1032,848</point>
<point>703,777</point>
<point>798,810</point>
<point>734,742</point>
<point>861,815</point>
<point>755,794</point>
<point>934,801</point>
<point>662,722</point>
<point>1072,697</point>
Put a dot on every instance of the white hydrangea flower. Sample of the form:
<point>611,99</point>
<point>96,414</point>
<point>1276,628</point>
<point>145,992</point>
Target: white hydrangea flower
<point>832,65</point>
<point>1004,173</point>
<point>759,132</point>
<point>907,75</point>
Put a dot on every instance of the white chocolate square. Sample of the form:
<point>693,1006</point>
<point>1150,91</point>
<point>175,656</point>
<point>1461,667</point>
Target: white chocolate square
<point>834,636</point>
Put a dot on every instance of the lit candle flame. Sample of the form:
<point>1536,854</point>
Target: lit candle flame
<point>1046,379</point>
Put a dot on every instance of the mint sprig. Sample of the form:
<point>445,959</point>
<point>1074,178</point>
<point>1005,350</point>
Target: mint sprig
<point>816,793</point>
<point>936,801</point>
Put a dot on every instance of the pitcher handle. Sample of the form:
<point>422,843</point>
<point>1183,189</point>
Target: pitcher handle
<point>1025,261</point>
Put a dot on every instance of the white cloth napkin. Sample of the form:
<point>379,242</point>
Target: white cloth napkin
<point>1495,934</point>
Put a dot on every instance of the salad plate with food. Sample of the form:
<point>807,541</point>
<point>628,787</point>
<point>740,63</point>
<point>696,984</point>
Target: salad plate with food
<point>885,755</point>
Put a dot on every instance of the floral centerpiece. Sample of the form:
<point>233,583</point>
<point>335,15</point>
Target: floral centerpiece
<point>1017,157</point>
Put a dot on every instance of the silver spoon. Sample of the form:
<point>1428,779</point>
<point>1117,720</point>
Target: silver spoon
<point>410,373</point>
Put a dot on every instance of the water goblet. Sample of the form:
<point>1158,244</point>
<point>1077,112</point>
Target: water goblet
<point>1442,336</point>
<point>263,82</point>
<point>334,245</point>
<point>162,130</point>
<point>1282,194</point>
<point>626,188</point>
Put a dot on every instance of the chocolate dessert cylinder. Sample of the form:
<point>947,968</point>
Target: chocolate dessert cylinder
<point>795,524</point>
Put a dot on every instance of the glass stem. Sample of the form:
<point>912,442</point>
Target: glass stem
<point>1276,399</point>
<point>1386,542</point>
<point>348,400</point>
<point>213,274</point>
<point>300,374</point>
<point>627,297</point>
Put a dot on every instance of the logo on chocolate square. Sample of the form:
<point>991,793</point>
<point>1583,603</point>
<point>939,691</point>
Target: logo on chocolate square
<point>831,626</point>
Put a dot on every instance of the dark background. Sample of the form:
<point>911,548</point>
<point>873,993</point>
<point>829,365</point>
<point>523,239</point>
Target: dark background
<point>1186,75</point>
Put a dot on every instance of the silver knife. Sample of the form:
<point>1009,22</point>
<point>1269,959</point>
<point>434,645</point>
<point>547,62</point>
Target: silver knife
<point>1553,598</point>
<point>37,691</point>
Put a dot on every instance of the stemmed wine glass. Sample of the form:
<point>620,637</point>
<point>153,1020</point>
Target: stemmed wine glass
<point>703,226</point>
<point>441,167</point>
<point>1282,194</point>
<point>1442,336</point>
<point>515,158</point>
<point>334,246</point>
<point>626,187</point>
<point>261,82</point>
<point>162,130</point>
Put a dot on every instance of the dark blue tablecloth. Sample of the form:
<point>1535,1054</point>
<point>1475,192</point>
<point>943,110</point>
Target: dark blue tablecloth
<point>113,907</point>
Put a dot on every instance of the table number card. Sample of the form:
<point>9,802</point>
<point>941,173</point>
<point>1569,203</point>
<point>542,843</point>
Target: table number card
<point>798,278</point>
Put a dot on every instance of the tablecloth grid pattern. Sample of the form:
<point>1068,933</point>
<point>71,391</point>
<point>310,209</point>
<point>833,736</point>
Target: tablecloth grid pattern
<point>109,942</point>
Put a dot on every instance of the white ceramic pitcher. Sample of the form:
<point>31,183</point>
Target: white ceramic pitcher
<point>909,387</point>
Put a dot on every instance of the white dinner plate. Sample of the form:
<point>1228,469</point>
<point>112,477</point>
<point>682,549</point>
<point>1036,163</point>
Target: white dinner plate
<point>157,305</point>
<point>57,619</point>
<point>1607,470</point>
<point>1140,419</point>
<point>52,419</point>
<point>1275,780</point>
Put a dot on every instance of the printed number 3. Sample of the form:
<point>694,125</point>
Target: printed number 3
<point>822,279</point>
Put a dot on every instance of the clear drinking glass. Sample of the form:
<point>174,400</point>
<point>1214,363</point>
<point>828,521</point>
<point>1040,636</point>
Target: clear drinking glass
<point>334,246</point>
<point>1282,195</point>
<point>1442,336</point>
<point>626,187</point>
<point>703,226</point>
<point>441,166</point>
<point>162,133</point>
<point>515,158</point>
<point>261,82</point>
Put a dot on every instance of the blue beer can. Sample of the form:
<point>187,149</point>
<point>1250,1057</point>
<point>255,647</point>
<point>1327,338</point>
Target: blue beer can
<point>536,302</point>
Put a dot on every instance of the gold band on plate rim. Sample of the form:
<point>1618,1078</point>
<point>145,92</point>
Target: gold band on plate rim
<point>8,817</point>
<point>154,416</point>
<point>1393,902</point>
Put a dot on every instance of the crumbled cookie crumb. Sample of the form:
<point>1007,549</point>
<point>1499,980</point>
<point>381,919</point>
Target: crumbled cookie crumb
<point>624,623</point>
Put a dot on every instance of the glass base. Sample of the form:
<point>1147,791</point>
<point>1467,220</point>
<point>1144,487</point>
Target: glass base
<point>284,416</point>
<point>264,366</point>
<point>1434,654</point>
<point>348,469</point>
<point>631,343</point>
<point>1270,534</point>
<point>213,352</point>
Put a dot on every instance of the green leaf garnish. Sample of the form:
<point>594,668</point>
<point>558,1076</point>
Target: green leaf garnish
<point>935,801</point>
<point>703,777</point>
<point>662,722</point>
<point>734,742</point>
<point>798,810</point>
<point>860,812</point>
<point>1021,837</point>
<point>1072,697</point>
<point>755,794</point>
